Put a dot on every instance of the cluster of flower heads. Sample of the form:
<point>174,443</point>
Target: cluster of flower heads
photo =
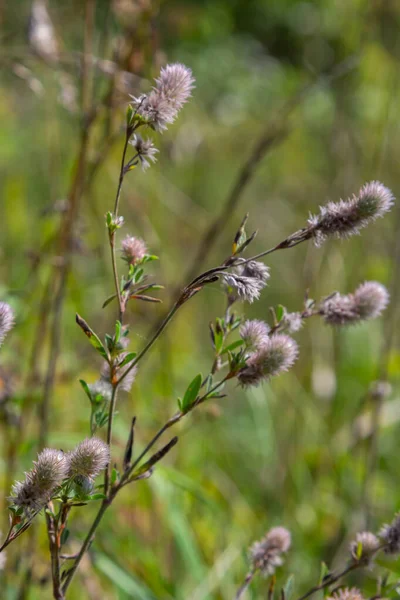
<point>6,320</point>
<point>267,554</point>
<point>247,281</point>
<point>367,302</point>
<point>266,355</point>
<point>347,217</point>
<point>172,89</point>
<point>53,467</point>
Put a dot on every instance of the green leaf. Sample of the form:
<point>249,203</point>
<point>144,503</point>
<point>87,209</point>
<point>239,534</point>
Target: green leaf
<point>288,587</point>
<point>180,404</point>
<point>324,571</point>
<point>114,476</point>
<point>97,496</point>
<point>118,328</point>
<point>280,311</point>
<point>128,358</point>
<point>64,536</point>
<point>86,389</point>
<point>94,340</point>
<point>108,300</point>
<point>232,346</point>
<point>191,392</point>
<point>109,342</point>
<point>218,340</point>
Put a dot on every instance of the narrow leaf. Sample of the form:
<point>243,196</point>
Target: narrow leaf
<point>94,340</point>
<point>191,392</point>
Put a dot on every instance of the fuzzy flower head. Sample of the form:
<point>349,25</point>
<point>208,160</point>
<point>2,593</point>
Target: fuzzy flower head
<point>145,150</point>
<point>254,333</point>
<point>133,249</point>
<point>127,382</point>
<point>364,546</point>
<point>347,217</point>
<point>6,320</point>
<point>292,322</point>
<point>277,355</point>
<point>172,89</point>
<point>346,594</point>
<point>266,554</point>
<point>47,474</point>
<point>89,458</point>
<point>247,280</point>
<point>390,536</point>
<point>367,302</point>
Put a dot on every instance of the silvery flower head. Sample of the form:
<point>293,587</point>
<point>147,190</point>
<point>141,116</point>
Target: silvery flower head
<point>346,594</point>
<point>6,320</point>
<point>89,458</point>
<point>371,298</point>
<point>133,249</point>
<point>101,387</point>
<point>145,150</point>
<point>172,89</point>
<point>291,322</point>
<point>367,302</point>
<point>48,472</point>
<point>347,217</point>
<point>266,554</point>
<point>390,535</point>
<point>277,355</point>
<point>255,269</point>
<point>369,544</point>
<point>127,382</point>
<point>254,333</point>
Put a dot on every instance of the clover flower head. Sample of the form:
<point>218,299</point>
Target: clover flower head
<point>6,320</point>
<point>89,458</point>
<point>145,150</point>
<point>277,355</point>
<point>254,333</point>
<point>369,544</point>
<point>347,217</point>
<point>133,249</point>
<point>266,555</point>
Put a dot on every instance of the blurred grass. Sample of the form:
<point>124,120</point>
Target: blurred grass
<point>287,453</point>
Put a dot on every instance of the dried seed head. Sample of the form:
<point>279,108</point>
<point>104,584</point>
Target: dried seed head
<point>346,594</point>
<point>367,302</point>
<point>254,333</point>
<point>266,554</point>
<point>347,217</point>
<point>133,249</point>
<point>161,106</point>
<point>277,355</point>
<point>368,542</point>
<point>390,535</point>
<point>6,320</point>
<point>145,150</point>
<point>89,458</point>
<point>35,491</point>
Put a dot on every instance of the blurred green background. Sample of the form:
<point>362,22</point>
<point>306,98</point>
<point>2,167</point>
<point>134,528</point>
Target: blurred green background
<point>322,78</point>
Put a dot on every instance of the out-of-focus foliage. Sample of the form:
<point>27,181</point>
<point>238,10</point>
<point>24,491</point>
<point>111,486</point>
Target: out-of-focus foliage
<point>290,453</point>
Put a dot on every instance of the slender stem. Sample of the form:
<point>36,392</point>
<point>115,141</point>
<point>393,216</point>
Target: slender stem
<point>332,579</point>
<point>152,340</point>
<point>245,584</point>
<point>109,437</point>
<point>85,544</point>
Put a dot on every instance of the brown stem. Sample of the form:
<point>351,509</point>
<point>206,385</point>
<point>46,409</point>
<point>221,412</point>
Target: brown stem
<point>245,585</point>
